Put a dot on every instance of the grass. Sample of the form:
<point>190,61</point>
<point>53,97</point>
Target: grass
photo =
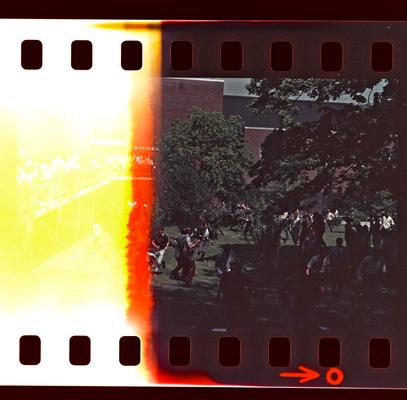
<point>329,237</point>
<point>196,307</point>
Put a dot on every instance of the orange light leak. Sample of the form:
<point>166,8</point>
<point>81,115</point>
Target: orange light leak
<point>184,378</point>
<point>145,122</point>
<point>76,203</point>
<point>68,259</point>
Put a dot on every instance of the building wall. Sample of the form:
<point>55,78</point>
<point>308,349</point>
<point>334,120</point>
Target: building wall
<point>180,95</point>
<point>254,139</point>
<point>308,111</point>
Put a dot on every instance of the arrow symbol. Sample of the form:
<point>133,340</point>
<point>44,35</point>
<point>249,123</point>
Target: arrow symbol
<point>306,374</point>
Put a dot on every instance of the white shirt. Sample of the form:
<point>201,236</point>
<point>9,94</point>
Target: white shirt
<point>387,222</point>
<point>188,241</point>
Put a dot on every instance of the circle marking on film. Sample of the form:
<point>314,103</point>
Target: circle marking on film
<point>334,376</point>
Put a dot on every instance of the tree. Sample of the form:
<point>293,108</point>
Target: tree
<point>202,158</point>
<point>351,151</point>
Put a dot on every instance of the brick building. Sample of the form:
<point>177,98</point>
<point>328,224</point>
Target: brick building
<point>179,95</point>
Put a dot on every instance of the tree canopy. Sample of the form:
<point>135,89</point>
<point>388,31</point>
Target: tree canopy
<point>202,158</point>
<point>351,149</point>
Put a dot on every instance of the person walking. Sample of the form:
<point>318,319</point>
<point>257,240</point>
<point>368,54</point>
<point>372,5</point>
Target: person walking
<point>159,245</point>
<point>206,235</point>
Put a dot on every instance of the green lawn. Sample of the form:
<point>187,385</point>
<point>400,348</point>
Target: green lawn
<point>206,278</point>
<point>174,299</point>
<point>197,307</point>
<point>246,250</point>
<point>329,237</point>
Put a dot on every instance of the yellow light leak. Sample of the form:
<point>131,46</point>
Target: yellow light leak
<point>64,151</point>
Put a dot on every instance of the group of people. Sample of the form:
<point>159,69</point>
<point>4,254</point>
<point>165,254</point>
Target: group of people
<point>298,224</point>
<point>190,246</point>
<point>238,216</point>
<point>365,252</point>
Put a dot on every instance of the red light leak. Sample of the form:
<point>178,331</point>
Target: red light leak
<point>139,224</point>
<point>146,121</point>
<point>183,378</point>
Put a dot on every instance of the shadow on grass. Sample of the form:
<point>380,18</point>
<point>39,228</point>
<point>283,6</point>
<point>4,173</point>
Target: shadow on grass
<point>197,306</point>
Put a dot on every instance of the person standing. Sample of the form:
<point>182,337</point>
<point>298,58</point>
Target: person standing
<point>224,259</point>
<point>187,258</point>
<point>303,229</point>
<point>361,244</point>
<point>295,227</point>
<point>248,225</point>
<point>318,224</point>
<point>203,216</point>
<point>233,292</point>
<point>338,261</point>
<point>178,245</point>
<point>375,231</point>
<point>330,217</point>
<point>387,222</point>
<point>285,223</point>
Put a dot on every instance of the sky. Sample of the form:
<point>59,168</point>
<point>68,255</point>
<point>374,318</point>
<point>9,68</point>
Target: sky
<point>237,87</point>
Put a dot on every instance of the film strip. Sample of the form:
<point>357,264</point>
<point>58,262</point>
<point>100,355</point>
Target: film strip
<point>203,203</point>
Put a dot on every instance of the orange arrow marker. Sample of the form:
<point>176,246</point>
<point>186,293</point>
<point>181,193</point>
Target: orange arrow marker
<point>306,374</point>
